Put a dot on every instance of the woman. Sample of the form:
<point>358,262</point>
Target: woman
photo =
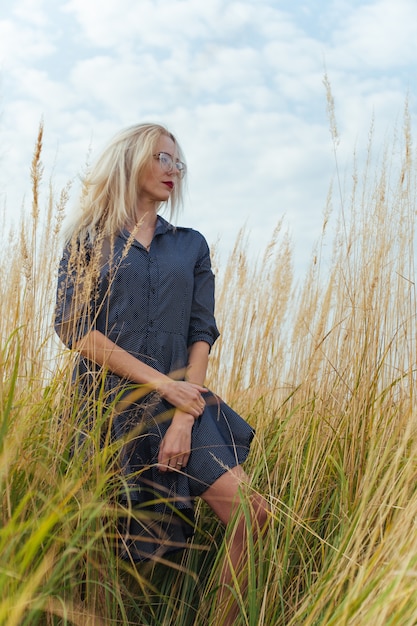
<point>136,301</point>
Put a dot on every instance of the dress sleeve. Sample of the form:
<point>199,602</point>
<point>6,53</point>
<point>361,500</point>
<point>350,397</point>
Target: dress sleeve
<point>202,322</point>
<point>75,301</point>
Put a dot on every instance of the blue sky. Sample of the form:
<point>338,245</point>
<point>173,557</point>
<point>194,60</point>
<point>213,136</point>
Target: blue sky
<point>239,82</point>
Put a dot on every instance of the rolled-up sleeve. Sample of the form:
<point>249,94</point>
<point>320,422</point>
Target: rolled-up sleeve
<point>202,321</point>
<point>74,309</point>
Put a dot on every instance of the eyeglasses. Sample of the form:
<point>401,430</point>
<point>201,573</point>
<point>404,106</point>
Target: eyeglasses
<point>167,163</point>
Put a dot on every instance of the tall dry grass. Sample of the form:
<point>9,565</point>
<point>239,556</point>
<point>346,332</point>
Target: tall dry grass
<point>325,371</point>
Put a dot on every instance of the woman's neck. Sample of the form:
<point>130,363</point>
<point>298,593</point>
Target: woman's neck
<point>144,228</point>
<point>144,219</point>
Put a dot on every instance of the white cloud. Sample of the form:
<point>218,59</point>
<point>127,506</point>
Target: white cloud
<point>380,35</point>
<point>240,82</point>
<point>31,11</point>
<point>158,24</point>
<point>21,43</point>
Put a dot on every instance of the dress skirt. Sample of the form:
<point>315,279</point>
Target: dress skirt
<point>160,505</point>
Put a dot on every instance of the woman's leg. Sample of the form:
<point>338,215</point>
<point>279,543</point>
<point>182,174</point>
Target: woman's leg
<point>223,498</point>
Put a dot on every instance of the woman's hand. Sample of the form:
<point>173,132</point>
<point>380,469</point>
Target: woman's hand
<point>183,395</point>
<point>175,447</point>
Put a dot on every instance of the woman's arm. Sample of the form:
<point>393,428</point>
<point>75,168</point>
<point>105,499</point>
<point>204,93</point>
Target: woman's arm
<point>98,348</point>
<point>176,445</point>
<point>197,362</point>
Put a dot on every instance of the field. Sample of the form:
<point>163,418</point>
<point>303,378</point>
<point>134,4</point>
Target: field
<point>323,367</point>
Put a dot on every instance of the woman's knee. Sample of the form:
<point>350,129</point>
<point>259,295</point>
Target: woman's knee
<point>231,490</point>
<point>260,511</point>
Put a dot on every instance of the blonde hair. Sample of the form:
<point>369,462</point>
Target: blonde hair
<point>110,190</point>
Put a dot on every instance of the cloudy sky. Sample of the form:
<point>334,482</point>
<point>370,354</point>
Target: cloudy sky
<point>239,81</point>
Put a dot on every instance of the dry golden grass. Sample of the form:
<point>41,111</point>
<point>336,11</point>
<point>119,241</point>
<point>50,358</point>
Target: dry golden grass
<point>325,371</point>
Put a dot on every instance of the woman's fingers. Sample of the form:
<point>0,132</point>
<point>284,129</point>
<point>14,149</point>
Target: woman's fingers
<point>173,464</point>
<point>175,447</point>
<point>185,396</point>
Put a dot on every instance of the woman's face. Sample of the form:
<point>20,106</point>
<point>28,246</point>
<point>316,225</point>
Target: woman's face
<point>158,181</point>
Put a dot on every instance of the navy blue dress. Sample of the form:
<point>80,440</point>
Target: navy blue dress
<point>154,305</point>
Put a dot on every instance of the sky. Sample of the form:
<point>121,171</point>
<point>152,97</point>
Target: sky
<point>240,83</point>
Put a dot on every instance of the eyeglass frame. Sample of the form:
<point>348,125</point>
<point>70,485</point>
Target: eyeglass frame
<point>179,167</point>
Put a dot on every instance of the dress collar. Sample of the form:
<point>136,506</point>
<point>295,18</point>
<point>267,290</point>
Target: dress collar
<point>162,227</point>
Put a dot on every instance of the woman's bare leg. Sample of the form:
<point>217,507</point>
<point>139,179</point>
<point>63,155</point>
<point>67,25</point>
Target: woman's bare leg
<point>223,498</point>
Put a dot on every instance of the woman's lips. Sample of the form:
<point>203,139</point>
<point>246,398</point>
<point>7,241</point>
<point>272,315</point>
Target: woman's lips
<point>169,183</point>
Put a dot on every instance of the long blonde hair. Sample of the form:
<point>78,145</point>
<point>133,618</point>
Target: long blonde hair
<point>110,190</point>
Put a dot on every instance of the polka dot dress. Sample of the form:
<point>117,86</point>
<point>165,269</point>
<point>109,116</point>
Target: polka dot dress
<point>155,304</point>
